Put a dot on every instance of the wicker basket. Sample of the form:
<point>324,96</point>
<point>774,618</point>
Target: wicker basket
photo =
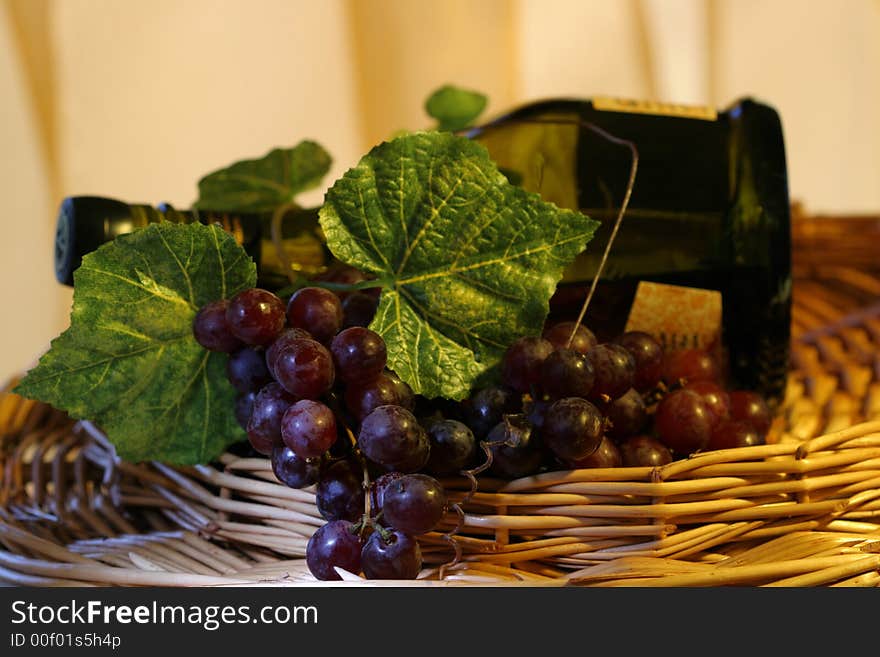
<point>803,510</point>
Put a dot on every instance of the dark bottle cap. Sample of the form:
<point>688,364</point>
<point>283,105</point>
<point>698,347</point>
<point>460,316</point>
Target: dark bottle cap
<point>84,224</point>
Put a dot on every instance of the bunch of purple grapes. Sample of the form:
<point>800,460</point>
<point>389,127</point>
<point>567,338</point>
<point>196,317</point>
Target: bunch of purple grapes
<point>315,396</point>
<point>617,404</point>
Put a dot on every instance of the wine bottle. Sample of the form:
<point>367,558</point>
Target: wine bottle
<point>86,222</point>
<point>709,209</point>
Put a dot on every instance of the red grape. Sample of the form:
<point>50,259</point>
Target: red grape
<point>606,456</point>
<point>293,471</point>
<point>339,494</point>
<point>714,396</point>
<point>392,437</point>
<point>317,311</point>
<point>246,370</point>
<point>573,428</point>
<point>566,373</point>
<point>396,557</point>
<point>453,447</point>
<point>750,407</point>
<point>689,365</point>
<point>358,309</point>
<point>359,355</point>
<point>683,421</point>
<point>308,428</point>
<point>255,316</point>
<point>734,433</point>
<point>285,338</point>
<point>614,369</point>
<point>211,330</point>
<point>384,390</point>
<point>648,356</point>
<point>414,504</point>
<point>264,425</point>
<point>627,415</point>
<point>521,364</point>
<point>485,408</point>
<point>305,368</point>
<point>644,451</point>
<point>519,451</point>
<point>558,335</point>
<point>334,544</point>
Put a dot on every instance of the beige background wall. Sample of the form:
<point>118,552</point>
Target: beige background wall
<point>137,100</point>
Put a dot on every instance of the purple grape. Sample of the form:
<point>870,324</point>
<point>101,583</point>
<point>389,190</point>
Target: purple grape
<point>606,456</point>
<point>285,338</point>
<point>335,544</point>
<point>644,451</point>
<point>246,370</point>
<point>627,416</point>
<point>714,396</point>
<point>573,428</point>
<point>614,369</point>
<point>339,494</point>
<point>558,335</point>
<point>359,355</point>
<point>648,356</point>
<point>519,452</point>
<point>750,407</point>
<point>392,437</point>
<point>305,368</point>
<point>244,406</point>
<point>255,316</point>
<point>566,373</point>
<point>264,426</point>
<point>361,400</point>
<point>521,364</point>
<point>405,395</point>
<point>377,494</point>
<point>689,365</point>
<point>734,433</point>
<point>486,407</point>
<point>414,504</point>
<point>308,428</point>
<point>453,447</point>
<point>317,311</point>
<point>211,330</point>
<point>293,471</point>
<point>536,412</point>
<point>683,422</point>
<point>358,309</point>
<point>394,556</point>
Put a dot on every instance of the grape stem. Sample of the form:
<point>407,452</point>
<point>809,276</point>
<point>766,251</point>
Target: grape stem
<point>471,475</point>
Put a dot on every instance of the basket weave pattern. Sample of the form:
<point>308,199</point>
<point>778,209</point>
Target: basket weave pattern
<point>803,510</point>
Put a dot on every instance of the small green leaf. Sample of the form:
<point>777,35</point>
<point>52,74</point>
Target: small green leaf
<point>455,108</point>
<point>129,361</point>
<point>468,261</point>
<point>264,184</point>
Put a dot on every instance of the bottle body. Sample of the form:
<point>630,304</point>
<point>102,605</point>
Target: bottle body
<point>297,247</point>
<point>709,209</point>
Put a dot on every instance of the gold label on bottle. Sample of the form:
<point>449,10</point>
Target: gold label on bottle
<point>608,104</point>
<point>678,317</point>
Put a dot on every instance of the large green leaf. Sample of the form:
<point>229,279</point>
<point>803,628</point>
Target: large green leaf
<point>455,108</point>
<point>129,361</point>
<point>263,184</point>
<point>468,261</point>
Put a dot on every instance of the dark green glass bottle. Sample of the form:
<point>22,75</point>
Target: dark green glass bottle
<point>86,222</point>
<point>709,209</point>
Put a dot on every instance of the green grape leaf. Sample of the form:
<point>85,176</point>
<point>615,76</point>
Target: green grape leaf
<point>468,262</point>
<point>266,183</point>
<point>129,362</point>
<point>455,108</point>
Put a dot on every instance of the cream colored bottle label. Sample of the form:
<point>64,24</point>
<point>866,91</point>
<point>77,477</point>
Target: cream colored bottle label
<point>608,104</point>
